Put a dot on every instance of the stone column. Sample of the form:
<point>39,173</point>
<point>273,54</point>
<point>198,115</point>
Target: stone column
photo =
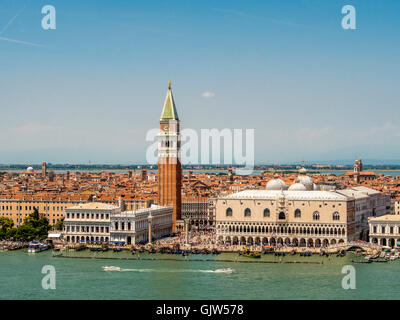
<point>150,220</point>
<point>186,230</point>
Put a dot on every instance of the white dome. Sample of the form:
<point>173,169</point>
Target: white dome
<point>303,171</point>
<point>297,187</point>
<point>29,169</point>
<point>276,184</point>
<point>306,181</point>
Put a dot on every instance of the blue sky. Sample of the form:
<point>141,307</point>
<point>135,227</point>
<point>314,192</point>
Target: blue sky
<point>91,89</point>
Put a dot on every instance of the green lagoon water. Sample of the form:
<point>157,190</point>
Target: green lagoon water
<point>193,278</point>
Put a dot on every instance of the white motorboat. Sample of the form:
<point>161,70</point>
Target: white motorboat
<point>111,268</point>
<point>36,246</point>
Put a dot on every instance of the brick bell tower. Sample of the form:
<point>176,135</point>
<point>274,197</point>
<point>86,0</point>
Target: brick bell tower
<point>169,165</point>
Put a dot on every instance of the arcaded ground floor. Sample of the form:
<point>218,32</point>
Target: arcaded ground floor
<point>386,241</point>
<point>126,237</point>
<point>280,240</point>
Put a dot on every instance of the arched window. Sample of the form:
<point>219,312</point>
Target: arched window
<point>229,212</point>
<point>315,215</point>
<point>282,215</point>
<point>266,213</point>
<point>247,212</point>
<point>297,213</point>
<point>336,216</point>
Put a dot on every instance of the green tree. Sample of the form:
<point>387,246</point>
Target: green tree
<point>6,223</point>
<point>11,233</point>
<point>25,232</point>
<point>34,227</point>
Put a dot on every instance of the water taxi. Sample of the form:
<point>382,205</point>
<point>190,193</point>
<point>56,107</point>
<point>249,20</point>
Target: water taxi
<point>111,268</point>
<point>247,253</point>
<point>36,246</point>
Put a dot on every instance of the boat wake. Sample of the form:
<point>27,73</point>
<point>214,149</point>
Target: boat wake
<point>112,268</point>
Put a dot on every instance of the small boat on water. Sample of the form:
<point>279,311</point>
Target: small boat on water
<point>341,253</point>
<point>117,249</point>
<point>111,268</point>
<point>252,255</point>
<point>361,261</point>
<point>247,253</point>
<point>36,246</point>
<point>381,260</point>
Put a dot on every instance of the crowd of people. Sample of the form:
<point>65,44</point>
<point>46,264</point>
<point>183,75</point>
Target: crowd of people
<point>207,239</point>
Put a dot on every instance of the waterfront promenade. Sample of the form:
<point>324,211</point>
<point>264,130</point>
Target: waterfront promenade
<point>205,242</point>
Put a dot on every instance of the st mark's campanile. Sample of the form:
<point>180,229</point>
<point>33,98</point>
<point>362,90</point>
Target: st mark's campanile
<point>169,165</point>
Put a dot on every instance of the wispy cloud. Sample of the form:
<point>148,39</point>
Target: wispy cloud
<point>235,12</point>
<point>208,94</point>
<point>21,42</point>
<point>271,20</point>
<point>10,22</point>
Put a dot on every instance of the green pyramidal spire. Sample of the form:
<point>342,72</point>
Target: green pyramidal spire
<point>169,109</point>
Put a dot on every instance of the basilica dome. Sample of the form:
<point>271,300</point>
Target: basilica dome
<point>306,181</point>
<point>276,184</point>
<point>29,169</point>
<point>297,186</point>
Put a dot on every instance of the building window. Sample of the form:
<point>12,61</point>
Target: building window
<point>374,229</point>
<point>282,216</point>
<point>247,212</point>
<point>297,213</point>
<point>316,215</point>
<point>266,213</point>
<point>229,212</point>
<point>336,216</point>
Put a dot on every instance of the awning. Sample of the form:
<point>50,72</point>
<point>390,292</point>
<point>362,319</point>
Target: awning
<point>54,235</point>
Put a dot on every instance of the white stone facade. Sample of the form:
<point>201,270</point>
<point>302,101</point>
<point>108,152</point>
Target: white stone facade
<point>132,227</point>
<point>385,230</point>
<point>297,217</point>
<point>103,223</point>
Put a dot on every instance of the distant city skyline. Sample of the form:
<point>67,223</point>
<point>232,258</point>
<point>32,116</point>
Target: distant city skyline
<point>91,89</point>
